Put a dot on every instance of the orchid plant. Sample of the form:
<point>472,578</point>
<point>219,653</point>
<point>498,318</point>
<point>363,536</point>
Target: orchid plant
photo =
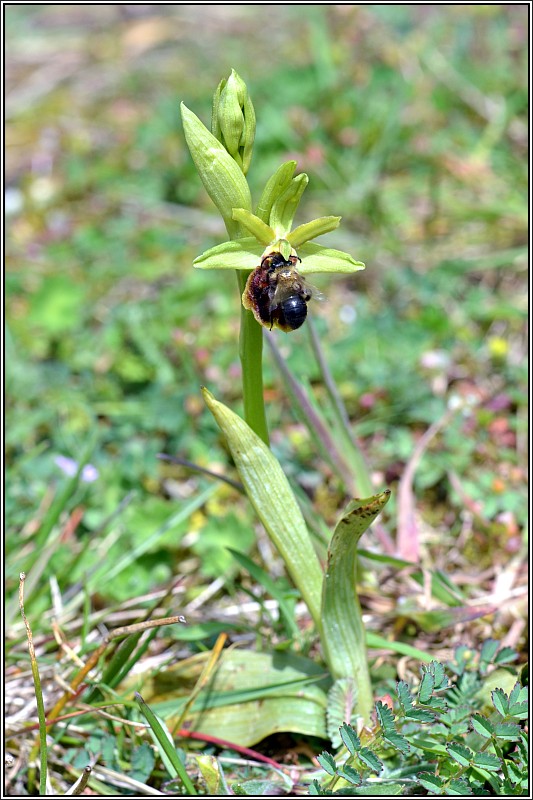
<point>222,158</point>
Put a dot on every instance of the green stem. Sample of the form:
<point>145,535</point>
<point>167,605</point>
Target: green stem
<point>41,714</point>
<point>251,355</point>
<point>350,450</point>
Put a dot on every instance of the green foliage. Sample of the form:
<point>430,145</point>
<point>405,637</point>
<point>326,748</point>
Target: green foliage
<point>136,760</point>
<point>110,333</point>
<point>169,753</point>
<point>343,634</point>
<point>440,736</point>
<point>219,534</point>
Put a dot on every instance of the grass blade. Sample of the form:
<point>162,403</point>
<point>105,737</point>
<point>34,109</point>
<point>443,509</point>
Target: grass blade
<point>165,744</point>
<point>41,741</point>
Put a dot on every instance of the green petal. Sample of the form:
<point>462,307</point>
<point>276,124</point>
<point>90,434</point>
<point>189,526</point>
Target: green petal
<point>220,174</point>
<point>262,232</point>
<point>275,186</point>
<point>239,254</point>
<point>310,230</point>
<point>316,258</point>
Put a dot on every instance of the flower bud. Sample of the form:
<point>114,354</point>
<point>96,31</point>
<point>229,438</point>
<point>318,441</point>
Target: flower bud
<point>221,176</point>
<point>233,119</point>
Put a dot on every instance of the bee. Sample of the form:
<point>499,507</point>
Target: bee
<point>277,294</point>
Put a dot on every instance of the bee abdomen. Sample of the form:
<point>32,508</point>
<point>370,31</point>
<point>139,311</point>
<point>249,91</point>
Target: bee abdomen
<point>293,313</point>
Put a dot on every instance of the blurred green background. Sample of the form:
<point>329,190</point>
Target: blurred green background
<point>411,123</point>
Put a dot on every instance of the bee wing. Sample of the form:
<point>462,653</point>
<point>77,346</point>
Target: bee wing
<point>292,287</point>
<point>280,293</point>
<point>316,294</point>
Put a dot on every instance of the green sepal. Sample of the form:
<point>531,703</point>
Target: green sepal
<point>310,230</point>
<point>238,254</point>
<point>246,253</point>
<point>316,258</point>
<point>274,188</point>
<point>262,232</point>
<point>284,207</point>
<point>273,500</point>
<point>223,179</point>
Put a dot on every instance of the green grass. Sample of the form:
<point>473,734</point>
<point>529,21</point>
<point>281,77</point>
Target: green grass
<point>406,133</point>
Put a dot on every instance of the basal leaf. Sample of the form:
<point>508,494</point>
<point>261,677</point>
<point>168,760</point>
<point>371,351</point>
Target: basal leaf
<point>210,771</point>
<point>343,634</point>
<point>439,675</point>
<point>273,500</point>
<point>519,694</point>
